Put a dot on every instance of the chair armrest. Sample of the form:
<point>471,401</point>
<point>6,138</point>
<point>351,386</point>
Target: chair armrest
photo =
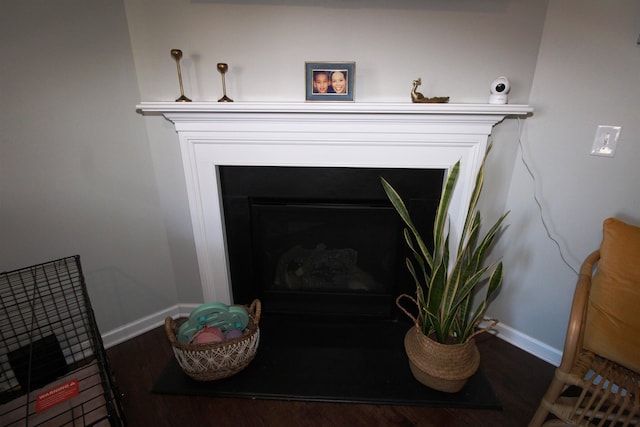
<point>575,330</point>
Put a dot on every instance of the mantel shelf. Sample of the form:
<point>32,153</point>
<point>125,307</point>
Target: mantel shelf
<point>336,107</point>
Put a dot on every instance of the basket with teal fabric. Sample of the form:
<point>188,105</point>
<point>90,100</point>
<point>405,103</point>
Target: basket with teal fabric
<point>216,360</point>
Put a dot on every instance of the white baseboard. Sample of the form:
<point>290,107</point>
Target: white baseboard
<point>145,324</point>
<point>530,345</point>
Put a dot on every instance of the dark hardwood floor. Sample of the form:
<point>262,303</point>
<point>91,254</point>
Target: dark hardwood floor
<point>518,379</point>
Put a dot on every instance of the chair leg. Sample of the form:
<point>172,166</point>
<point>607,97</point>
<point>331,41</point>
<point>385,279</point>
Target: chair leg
<point>552,394</point>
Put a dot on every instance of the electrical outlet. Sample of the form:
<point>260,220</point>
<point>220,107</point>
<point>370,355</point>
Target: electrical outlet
<point>606,140</point>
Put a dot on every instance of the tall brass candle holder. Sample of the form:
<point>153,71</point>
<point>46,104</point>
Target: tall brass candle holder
<point>177,55</point>
<point>223,68</point>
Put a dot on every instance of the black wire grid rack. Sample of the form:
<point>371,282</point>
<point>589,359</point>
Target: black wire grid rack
<point>53,366</point>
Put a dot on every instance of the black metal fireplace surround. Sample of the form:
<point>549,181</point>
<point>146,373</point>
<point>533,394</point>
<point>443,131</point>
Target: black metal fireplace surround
<point>323,250</point>
<point>324,243</point>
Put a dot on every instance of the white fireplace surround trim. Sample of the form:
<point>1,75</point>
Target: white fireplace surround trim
<point>384,135</point>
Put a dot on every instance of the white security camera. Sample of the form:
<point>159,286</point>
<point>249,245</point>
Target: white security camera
<point>499,89</point>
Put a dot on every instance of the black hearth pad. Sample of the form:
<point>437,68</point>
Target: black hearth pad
<point>363,363</point>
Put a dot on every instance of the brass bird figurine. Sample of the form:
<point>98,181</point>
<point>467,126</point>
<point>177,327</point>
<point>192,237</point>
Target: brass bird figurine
<point>417,97</point>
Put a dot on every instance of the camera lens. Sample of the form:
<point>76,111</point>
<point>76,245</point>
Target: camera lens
<point>500,87</point>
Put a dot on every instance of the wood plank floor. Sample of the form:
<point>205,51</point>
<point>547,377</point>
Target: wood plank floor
<point>518,379</point>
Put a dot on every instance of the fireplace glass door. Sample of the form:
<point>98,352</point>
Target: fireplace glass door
<point>326,258</point>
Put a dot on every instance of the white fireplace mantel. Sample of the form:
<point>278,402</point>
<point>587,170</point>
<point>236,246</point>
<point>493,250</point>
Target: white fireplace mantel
<point>382,135</point>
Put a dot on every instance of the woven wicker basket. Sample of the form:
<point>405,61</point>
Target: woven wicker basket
<point>443,367</point>
<point>214,361</point>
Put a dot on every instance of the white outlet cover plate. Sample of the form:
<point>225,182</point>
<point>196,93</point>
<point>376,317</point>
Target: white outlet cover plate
<point>606,140</point>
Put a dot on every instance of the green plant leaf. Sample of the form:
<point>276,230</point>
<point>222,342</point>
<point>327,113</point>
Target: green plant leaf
<point>417,256</point>
<point>494,281</point>
<point>442,213</point>
<point>468,286</point>
<point>437,287</point>
<point>400,207</point>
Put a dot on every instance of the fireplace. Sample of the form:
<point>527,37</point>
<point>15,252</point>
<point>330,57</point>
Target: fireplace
<point>389,136</point>
<point>322,242</point>
<point>278,193</point>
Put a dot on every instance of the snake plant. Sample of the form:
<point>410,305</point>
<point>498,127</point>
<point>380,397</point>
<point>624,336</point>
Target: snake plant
<point>445,288</point>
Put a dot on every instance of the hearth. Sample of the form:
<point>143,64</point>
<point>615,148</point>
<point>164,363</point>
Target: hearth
<point>322,242</point>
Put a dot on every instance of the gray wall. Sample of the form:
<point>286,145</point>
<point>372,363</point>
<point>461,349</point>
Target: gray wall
<point>82,172</point>
<point>587,74</point>
<point>76,174</point>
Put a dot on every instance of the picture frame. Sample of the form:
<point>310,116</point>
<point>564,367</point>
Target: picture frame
<point>330,81</point>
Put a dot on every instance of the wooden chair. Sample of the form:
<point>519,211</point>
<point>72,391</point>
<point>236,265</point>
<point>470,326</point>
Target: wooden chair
<point>597,380</point>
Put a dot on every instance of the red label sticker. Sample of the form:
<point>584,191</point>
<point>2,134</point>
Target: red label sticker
<point>49,398</point>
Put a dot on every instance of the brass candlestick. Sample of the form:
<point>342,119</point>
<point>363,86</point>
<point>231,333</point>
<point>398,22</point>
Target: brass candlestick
<point>177,55</point>
<point>223,68</point>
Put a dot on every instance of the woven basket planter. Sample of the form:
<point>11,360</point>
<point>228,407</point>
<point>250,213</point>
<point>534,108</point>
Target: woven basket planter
<point>443,367</point>
<point>214,361</point>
